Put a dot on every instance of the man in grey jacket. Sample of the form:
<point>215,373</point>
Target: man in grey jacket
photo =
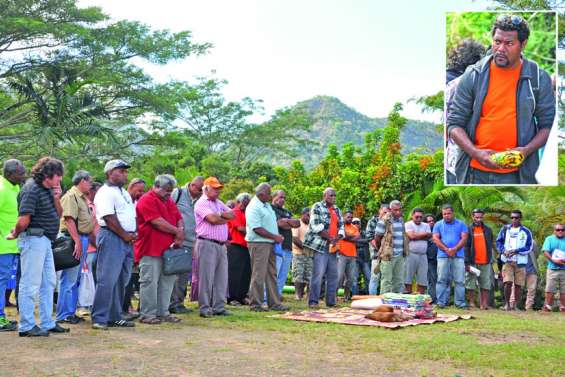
<point>503,102</point>
<point>185,197</point>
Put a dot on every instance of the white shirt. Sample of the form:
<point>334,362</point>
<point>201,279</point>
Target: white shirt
<point>114,200</point>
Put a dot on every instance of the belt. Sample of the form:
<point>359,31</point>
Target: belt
<point>208,239</point>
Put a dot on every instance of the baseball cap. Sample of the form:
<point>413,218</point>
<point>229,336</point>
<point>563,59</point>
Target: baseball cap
<point>213,182</point>
<point>115,164</point>
<point>356,220</point>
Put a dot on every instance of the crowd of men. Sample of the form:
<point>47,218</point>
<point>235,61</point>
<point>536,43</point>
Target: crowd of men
<point>241,254</point>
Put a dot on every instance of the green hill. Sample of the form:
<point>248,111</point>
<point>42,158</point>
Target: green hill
<point>337,123</point>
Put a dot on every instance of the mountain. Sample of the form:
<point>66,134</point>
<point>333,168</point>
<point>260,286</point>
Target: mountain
<point>337,123</point>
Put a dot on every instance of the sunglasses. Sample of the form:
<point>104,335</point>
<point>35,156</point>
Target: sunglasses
<point>516,20</point>
<point>560,229</point>
<point>355,222</point>
<point>514,217</point>
<point>418,217</point>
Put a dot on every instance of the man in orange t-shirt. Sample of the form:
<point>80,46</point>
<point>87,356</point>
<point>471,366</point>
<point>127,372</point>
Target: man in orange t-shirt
<point>347,255</point>
<point>478,255</point>
<point>516,112</point>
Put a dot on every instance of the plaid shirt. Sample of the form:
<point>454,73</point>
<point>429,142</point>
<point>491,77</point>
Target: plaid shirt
<point>319,221</point>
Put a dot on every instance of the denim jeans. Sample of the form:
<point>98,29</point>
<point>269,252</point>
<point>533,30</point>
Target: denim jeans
<point>346,271</point>
<point>365,269</point>
<point>38,276</point>
<point>324,264</point>
<point>451,269</point>
<point>375,279</point>
<point>68,286</point>
<point>283,266</point>
<point>6,265</point>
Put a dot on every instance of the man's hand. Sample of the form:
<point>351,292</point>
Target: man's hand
<point>12,235</point>
<point>560,262</point>
<point>78,250</point>
<point>483,157</point>
<point>130,237</point>
<point>278,238</point>
<point>57,191</point>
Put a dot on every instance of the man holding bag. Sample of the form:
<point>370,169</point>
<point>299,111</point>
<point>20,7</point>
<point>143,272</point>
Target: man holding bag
<point>160,225</point>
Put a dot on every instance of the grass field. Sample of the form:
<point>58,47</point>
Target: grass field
<point>495,343</point>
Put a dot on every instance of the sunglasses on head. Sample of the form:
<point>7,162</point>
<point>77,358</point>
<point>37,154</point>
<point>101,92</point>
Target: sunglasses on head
<point>516,20</point>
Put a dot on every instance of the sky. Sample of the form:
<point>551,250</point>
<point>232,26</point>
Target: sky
<point>369,54</point>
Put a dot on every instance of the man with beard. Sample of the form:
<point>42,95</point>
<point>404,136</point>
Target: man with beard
<point>478,254</point>
<point>504,102</point>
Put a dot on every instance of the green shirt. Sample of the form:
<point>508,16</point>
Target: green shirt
<point>8,215</point>
<point>259,215</point>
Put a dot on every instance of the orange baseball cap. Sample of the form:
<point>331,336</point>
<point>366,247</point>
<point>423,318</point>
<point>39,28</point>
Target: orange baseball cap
<point>213,182</point>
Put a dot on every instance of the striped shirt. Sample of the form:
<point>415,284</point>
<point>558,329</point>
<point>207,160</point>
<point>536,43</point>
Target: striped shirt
<point>204,207</point>
<point>397,234</point>
<point>37,201</point>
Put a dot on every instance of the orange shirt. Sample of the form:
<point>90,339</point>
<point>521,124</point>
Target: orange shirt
<point>497,126</point>
<point>348,248</point>
<point>333,227</point>
<point>480,245</point>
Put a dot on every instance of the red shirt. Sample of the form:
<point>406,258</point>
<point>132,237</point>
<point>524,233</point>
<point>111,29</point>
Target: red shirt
<point>150,241</point>
<point>236,236</point>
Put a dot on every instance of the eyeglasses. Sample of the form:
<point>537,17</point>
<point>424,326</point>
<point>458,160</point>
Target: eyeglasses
<point>514,217</point>
<point>560,229</point>
<point>418,217</point>
<point>516,20</point>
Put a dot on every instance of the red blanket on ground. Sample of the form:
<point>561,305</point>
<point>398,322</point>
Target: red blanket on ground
<point>348,316</point>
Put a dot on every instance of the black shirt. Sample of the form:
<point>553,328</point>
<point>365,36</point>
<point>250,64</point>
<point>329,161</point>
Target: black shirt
<point>283,213</point>
<point>37,201</point>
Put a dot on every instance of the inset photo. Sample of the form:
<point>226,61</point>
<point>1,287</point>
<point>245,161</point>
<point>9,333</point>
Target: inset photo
<point>500,102</point>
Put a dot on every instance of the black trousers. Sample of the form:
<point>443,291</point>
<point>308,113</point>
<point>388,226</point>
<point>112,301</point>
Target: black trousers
<point>239,272</point>
<point>133,285</point>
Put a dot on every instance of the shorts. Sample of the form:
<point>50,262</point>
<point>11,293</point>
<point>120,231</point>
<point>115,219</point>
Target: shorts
<point>484,280</point>
<point>555,279</point>
<point>511,273</point>
<point>416,265</point>
<point>302,268</point>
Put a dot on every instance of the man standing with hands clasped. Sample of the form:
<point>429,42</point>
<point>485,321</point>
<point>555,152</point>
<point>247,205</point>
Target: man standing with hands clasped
<point>115,213</point>
<point>554,251</point>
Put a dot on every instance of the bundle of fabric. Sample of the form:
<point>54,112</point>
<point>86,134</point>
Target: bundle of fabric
<point>425,312</point>
<point>405,301</point>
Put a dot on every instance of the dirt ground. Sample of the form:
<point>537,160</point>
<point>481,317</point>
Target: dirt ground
<point>192,347</point>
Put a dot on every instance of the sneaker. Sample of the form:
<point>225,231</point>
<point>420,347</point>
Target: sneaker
<point>35,331</point>
<point>58,329</point>
<point>121,323</point>
<point>223,312</point>
<point>259,309</point>
<point>71,320</point>
<point>6,325</point>
<point>130,316</point>
<point>99,326</point>
<point>280,308</point>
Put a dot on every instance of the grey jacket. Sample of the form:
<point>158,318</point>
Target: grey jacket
<point>534,112</point>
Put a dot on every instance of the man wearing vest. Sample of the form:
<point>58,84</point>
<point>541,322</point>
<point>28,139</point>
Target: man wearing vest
<point>514,242</point>
<point>503,102</point>
<point>478,255</point>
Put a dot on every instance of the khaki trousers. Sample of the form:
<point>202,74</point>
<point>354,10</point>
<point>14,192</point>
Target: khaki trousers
<point>263,273</point>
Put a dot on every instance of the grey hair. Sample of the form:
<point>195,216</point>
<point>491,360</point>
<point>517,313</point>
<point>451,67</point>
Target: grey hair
<point>395,203</point>
<point>79,176</point>
<point>197,179</point>
<point>262,187</point>
<point>328,189</point>
<point>278,192</point>
<point>12,166</point>
<point>243,196</point>
<point>164,180</point>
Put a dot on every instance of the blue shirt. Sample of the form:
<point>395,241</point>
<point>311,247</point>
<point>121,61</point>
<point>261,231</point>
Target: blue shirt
<point>550,244</point>
<point>259,215</point>
<point>450,235</point>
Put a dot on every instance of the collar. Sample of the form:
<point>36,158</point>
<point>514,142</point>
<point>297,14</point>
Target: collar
<point>6,182</point>
<point>77,192</point>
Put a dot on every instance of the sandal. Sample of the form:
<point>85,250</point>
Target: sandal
<point>150,320</point>
<point>170,318</point>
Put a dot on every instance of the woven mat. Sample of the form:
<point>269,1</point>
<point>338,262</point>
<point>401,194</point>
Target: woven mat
<point>348,316</point>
